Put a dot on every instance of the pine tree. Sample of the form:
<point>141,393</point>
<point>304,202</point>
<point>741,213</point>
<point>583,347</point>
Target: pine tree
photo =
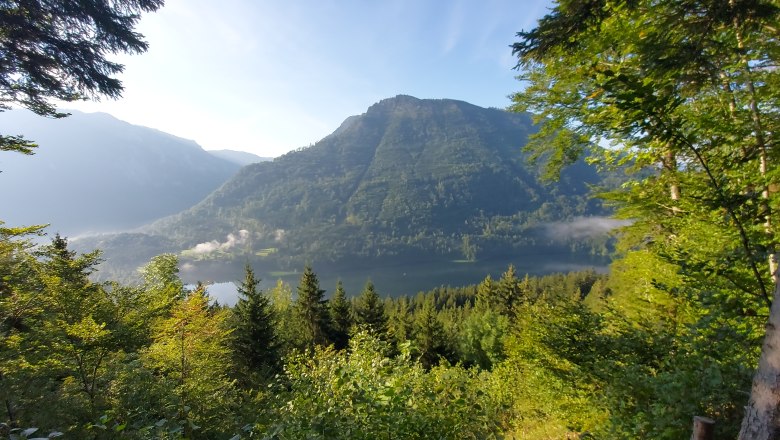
<point>485,293</point>
<point>400,325</point>
<point>370,311</point>
<point>429,336</point>
<point>340,317</point>
<point>311,310</point>
<point>255,344</point>
<point>508,293</point>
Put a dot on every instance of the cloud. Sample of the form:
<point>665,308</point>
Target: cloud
<point>583,227</point>
<point>232,240</point>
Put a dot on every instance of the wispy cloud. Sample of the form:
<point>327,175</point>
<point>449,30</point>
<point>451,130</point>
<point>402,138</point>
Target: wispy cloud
<point>584,227</point>
<point>232,240</point>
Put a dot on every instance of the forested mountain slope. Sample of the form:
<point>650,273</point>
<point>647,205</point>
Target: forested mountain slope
<point>410,179</point>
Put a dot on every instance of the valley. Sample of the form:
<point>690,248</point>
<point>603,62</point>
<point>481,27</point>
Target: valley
<point>413,193</point>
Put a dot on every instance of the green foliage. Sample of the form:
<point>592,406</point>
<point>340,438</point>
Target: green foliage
<point>190,353</point>
<point>57,51</point>
<point>481,339</point>
<point>254,341</point>
<point>430,341</point>
<point>370,312</point>
<point>157,361</point>
<point>361,394</point>
<point>340,317</point>
<point>311,311</point>
<point>697,117</point>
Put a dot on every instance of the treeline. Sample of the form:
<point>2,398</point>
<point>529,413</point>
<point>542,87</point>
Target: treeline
<point>579,355</point>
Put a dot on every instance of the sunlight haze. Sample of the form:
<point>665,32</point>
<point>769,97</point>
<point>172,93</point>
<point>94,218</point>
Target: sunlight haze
<point>270,77</point>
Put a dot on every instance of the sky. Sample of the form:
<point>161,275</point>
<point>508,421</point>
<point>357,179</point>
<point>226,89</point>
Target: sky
<point>271,76</point>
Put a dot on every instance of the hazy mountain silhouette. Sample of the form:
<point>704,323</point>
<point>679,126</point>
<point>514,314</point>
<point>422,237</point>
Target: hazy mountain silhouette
<point>93,172</point>
<point>239,157</point>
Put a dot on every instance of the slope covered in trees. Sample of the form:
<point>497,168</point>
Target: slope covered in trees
<point>410,181</point>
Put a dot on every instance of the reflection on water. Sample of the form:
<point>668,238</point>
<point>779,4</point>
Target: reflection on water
<point>392,278</point>
<point>224,293</point>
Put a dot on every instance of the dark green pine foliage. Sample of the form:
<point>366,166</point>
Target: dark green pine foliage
<point>429,337</point>
<point>311,310</point>
<point>370,311</point>
<point>60,51</point>
<point>340,317</point>
<point>400,321</point>
<point>255,343</point>
<point>508,293</point>
<point>485,293</point>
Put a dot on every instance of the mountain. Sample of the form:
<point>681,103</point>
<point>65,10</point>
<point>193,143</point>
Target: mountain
<point>94,173</point>
<point>239,157</point>
<point>425,191</point>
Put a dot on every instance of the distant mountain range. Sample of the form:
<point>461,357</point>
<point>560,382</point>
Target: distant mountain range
<point>414,192</point>
<point>94,173</point>
<point>239,157</point>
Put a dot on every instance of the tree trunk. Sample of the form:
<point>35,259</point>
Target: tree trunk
<point>762,414</point>
<point>703,428</point>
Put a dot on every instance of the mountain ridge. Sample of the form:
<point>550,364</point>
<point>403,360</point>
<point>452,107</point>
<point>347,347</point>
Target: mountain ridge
<point>408,181</point>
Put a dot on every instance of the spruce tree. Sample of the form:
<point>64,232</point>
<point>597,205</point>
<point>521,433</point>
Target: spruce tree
<point>429,336</point>
<point>485,293</point>
<point>311,310</point>
<point>255,343</point>
<point>508,293</point>
<point>340,317</point>
<point>370,311</point>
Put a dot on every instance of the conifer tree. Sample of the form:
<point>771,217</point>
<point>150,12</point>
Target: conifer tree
<point>485,292</point>
<point>311,310</point>
<point>340,317</point>
<point>429,336</point>
<point>400,325</point>
<point>255,344</point>
<point>60,51</point>
<point>508,293</point>
<point>370,311</point>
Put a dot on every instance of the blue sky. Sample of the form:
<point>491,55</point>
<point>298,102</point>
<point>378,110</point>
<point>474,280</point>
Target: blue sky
<point>271,76</point>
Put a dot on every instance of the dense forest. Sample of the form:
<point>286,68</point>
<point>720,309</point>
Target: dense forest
<point>578,355</point>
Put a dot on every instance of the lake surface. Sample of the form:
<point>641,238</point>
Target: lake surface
<point>395,278</point>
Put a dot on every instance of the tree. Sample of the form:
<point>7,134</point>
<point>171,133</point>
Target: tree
<point>485,291</point>
<point>59,51</point>
<point>190,353</point>
<point>370,311</point>
<point>59,337</point>
<point>508,294</point>
<point>340,317</point>
<point>698,117</point>
<point>429,337</point>
<point>255,345</point>
<point>311,310</point>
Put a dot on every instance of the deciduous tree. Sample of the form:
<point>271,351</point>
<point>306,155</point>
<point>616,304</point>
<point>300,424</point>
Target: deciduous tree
<point>687,92</point>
